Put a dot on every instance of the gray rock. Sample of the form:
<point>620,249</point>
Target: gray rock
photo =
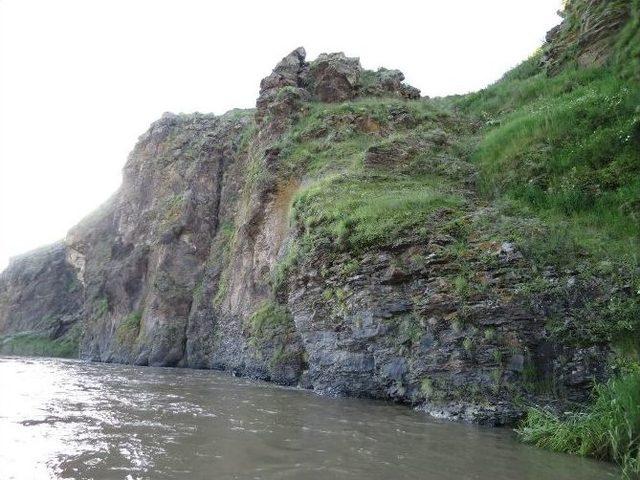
<point>516,363</point>
<point>395,369</point>
<point>385,82</point>
<point>334,77</point>
<point>41,295</point>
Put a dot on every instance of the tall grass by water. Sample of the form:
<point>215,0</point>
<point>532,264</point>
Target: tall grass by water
<point>608,429</point>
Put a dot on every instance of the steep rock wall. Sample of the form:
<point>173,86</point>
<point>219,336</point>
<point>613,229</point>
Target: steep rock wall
<point>222,250</point>
<point>142,255</point>
<point>40,299</point>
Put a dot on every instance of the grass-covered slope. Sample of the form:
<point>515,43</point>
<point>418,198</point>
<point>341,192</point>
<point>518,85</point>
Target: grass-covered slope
<point>41,344</point>
<point>565,147</point>
<point>568,149</point>
<point>351,201</point>
<point>561,143</point>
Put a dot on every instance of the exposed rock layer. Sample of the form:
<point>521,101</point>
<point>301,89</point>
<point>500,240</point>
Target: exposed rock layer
<point>183,265</point>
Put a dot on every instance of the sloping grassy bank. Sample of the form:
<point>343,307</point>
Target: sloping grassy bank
<point>563,144</point>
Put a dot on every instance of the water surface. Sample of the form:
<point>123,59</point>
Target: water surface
<point>69,419</point>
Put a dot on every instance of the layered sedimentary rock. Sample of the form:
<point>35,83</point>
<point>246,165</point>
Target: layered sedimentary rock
<point>587,34</point>
<point>200,259</point>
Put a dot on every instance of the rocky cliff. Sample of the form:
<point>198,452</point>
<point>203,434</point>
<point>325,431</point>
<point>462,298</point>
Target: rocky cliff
<point>40,301</point>
<point>337,238</point>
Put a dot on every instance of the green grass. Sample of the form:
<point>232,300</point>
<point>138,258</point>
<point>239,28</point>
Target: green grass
<point>40,344</point>
<point>357,211</point>
<point>627,54</point>
<point>609,428</point>
<point>334,137</point>
<point>269,332</point>
<point>100,307</point>
<point>347,206</point>
<point>564,149</point>
<point>569,152</point>
<point>561,154</point>
<point>269,320</point>
<point>426,387</point>
<point>129,329</point>
<point>381,110</point>
<point>224,240</point>
<point>320,156</point>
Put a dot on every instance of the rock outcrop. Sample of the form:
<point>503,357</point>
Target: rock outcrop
<point>331,77</point>
<point>40,301</point>
<point>39,291</point>
<point>210,256</point>
<point>587,33</point>
<point>141,256</point>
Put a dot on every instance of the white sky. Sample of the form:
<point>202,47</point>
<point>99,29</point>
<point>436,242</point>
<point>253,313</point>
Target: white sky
<point>81,80</point>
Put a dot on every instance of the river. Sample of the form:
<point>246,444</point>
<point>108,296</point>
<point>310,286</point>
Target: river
<point>70,419</point>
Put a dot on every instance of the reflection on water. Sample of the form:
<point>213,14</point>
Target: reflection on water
<point>67,419</point>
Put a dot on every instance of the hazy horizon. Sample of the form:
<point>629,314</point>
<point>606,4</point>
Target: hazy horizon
<point>82,81</point>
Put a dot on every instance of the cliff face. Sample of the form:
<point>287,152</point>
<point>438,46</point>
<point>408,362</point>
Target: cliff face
<point>334,238</point>
<point>40,300</point>
<point>142,255</point>
<point>181,256</point>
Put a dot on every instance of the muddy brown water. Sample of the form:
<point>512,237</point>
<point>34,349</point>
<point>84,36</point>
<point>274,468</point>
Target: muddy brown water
<point>70,419</point>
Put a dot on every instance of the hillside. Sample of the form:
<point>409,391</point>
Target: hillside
<point>470,255</point>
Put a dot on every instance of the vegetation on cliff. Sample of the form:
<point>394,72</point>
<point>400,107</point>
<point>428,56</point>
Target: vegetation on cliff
<point>40,344</point>
<point>553,148</point>
<point>608,429</point>
<point>470,255</point>
<point>564,147</point>
<point>561,142</point>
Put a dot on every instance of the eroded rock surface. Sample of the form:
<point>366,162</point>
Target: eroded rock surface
<point>202,260</point>
<point>332,77</point>
<point>40,296</point>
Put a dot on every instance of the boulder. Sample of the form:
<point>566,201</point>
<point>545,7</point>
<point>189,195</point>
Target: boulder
<point>334,77</point>
<point>285,77</point>
<point>386,82</point>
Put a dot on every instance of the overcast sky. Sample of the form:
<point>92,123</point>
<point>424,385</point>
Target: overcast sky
<point>81,80</point>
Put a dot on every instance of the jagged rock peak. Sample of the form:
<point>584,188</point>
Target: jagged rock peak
<point>294,61</point>
<point>287,72</point>
<point>335,77</point>
<point>331,77</point>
